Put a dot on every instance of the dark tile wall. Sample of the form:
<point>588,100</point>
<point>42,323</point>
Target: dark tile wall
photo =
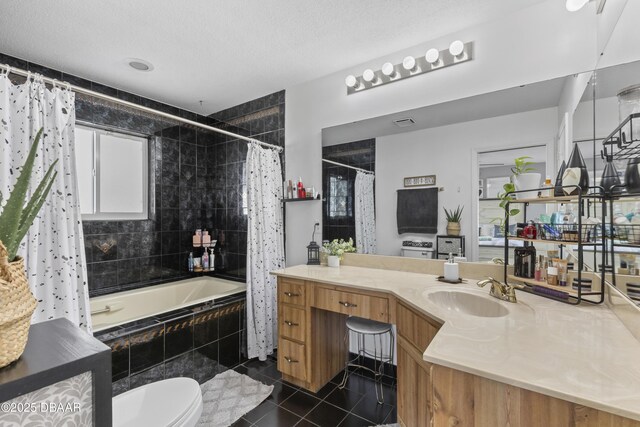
<point>195,342</point>
<point>196,181</point>
<point>262,119</point>
<point>338,221</point>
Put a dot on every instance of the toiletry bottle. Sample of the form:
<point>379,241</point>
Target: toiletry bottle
<point>190,261</point>
<point>205,260</point>
<point>212,260</point>
<point>300,189</point>
<point>538,273</point>
<point>451,270</point>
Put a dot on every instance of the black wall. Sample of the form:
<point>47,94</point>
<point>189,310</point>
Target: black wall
<point>361,154</point>
<point>195,182</point>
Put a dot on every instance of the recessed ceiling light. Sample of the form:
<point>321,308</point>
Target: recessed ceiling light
<point>140,64</point>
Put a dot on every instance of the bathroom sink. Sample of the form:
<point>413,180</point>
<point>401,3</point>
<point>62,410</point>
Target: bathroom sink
<point>467,303</point>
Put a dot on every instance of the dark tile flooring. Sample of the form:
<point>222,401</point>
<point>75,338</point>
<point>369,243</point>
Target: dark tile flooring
<point>288,405</point>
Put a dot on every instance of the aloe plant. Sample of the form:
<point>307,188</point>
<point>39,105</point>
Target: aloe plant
<point>454,216</point>
<point>18,213</point>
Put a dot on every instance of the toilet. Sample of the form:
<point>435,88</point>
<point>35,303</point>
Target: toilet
<point>176,402</point>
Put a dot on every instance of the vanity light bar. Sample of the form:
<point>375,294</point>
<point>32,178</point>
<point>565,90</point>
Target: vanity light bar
<point>457,53</point>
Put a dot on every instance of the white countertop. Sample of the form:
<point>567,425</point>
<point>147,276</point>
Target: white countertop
<point>582,354</point>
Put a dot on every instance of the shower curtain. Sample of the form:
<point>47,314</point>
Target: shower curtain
<point>265,248</point>
<point>365,213</point>
<point>53,248</point>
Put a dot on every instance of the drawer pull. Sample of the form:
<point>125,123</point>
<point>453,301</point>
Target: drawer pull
<point>347,304</point>
<point>290,323</point>
<point>291,294</point>
<point>290,360</point>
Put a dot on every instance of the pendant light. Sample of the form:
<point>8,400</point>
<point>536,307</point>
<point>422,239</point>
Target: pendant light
<point>557,191</point>
<point>610,177</point>
<point>576,174</point>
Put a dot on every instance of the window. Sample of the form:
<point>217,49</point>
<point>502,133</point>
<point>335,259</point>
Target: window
<point>112,175</point>
<point>338,197</point>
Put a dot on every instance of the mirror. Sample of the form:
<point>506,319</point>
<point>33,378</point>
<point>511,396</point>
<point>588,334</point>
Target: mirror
<point>454,141</point>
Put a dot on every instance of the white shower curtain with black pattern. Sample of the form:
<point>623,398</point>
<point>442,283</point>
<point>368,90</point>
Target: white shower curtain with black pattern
<point>265,248</point>
<point>365,217</point>
<point>54,246</point>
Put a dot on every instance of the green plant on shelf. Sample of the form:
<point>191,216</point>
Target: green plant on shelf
<point>506,197</point>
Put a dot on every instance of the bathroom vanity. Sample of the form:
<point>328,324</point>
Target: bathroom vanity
<point>463,357</point>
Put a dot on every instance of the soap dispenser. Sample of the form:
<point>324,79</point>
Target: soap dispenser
<point>451,270</point>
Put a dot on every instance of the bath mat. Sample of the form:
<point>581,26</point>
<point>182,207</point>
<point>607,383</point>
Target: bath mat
<point>228,396</point>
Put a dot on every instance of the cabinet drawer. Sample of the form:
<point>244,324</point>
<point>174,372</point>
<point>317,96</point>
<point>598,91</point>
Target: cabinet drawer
<point>291,359</point>
<point>291,292</point>
<point>353,304</point>
<point>292,323</point>
<point>415,328</point>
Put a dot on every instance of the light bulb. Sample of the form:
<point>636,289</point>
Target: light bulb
<point>351,81</point>
<point>432,56</point>
<point>575,5</point>
<point>409,63</point>
<point>388,69</point>
<point>456,48</point>
<point>369,76</point>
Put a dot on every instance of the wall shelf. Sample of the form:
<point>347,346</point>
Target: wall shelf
<point>566,294</point>
<point>308,199</point>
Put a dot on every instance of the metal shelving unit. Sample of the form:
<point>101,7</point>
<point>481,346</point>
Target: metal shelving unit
<point>594,201</point>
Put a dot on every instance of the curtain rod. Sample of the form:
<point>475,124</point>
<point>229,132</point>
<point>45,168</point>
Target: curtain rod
<point>347,166</point>
<point>98,95</point>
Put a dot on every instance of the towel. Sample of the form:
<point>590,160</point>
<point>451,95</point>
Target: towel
<point>417,211</point>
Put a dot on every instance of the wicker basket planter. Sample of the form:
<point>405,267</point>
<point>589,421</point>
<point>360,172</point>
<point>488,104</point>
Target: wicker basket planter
<point>18,304</point>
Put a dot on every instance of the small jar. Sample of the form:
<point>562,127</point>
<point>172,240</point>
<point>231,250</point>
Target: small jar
<point>530,231</point>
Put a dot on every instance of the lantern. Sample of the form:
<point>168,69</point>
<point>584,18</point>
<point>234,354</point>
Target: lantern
<point>313,250</point>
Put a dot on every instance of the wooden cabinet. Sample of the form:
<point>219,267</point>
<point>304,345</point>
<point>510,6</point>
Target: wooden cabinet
<point>352,304</point>
<point>415,332</point>
<point>463,399</point>
<point>292,359</point>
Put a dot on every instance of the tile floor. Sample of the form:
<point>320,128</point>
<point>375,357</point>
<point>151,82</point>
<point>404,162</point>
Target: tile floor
<point>289,405</point>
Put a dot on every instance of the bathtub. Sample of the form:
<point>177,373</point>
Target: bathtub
<point>112,310</point>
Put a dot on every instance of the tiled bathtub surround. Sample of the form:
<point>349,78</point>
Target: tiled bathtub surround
<point>196,181</point>
<point>196,342</point>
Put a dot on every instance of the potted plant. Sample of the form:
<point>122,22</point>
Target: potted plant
<point>336,249</point>
<point>505,198</point>
<point>16,217</point>
<point>453,220</point>
<point>524,179</point>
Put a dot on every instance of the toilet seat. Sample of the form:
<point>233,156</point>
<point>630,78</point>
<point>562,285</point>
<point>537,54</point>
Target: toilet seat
<point>176,402</point>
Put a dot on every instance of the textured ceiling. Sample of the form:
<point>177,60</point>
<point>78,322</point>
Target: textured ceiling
<point>225,52</point>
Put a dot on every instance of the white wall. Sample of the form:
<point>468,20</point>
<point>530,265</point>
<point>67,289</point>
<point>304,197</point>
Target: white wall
<point>538,43</point>
<point>447,152</point>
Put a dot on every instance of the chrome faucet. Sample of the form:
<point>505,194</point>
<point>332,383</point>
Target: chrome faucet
<point>504,292</point>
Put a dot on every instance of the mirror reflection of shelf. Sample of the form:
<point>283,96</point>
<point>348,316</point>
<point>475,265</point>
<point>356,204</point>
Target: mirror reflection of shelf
<point>595,290</point>
<point>553,242</point>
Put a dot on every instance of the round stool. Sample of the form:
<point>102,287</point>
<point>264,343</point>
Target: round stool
<point>363,327</point>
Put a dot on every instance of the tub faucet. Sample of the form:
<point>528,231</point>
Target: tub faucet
<point>504,292</point>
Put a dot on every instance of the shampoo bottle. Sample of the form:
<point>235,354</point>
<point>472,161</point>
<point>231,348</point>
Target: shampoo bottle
<point>205,260</point>
<point>190,261</point>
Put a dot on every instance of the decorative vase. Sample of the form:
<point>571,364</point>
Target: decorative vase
<point>526,181</point>
<point>557,191</point>
<point>333,261</point>
<point>632,176</point>
<point>18,304</point>
<point>610,177</point>
<point>576,174</point>
<point>453,229</point>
